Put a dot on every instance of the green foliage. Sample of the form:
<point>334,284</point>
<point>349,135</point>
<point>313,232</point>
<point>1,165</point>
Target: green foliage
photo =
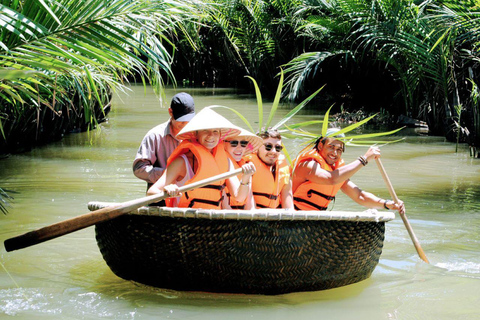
<point>257,35</point>
<point>66,56</point>
<point>352,140</point>
<point>281,124</point>
<point>430,47</point>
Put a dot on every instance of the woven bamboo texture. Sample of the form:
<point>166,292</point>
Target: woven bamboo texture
<point>239,255</point>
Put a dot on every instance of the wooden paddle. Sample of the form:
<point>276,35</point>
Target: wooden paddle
<point>100,215</point>
<point>420,252</point>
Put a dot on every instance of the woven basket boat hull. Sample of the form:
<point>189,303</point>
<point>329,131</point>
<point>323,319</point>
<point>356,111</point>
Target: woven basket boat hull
<point>240,256</point>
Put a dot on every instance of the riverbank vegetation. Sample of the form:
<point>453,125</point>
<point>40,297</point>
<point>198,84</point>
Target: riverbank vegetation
<point>413,58</point>
<point>62,59</point>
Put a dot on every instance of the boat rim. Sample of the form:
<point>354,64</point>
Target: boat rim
<point>372,215</point>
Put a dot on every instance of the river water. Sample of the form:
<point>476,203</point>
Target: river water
<point>66,278</point>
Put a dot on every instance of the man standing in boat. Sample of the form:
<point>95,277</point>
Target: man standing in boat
<point>271,183</point>
<point>319,172</point>
<point>159,143</point>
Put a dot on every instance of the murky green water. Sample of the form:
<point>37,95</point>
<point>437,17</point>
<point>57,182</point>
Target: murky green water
<point>66,278</point>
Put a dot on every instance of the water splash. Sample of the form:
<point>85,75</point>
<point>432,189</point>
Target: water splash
<point>468,267</point>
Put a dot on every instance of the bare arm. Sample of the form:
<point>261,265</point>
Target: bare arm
<point>225,202</point>
<point>250,203</point>
<point>312,171</point>
<point>239,189</point>
<point>369,200</point>
<point>175,171</point>
<point>287,195</point>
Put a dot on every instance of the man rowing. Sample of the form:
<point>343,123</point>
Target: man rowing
<point>201,155</point>
<point>159,143</point>
<point>320,172</point>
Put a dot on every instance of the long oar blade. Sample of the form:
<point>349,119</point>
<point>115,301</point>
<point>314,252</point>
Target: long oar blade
<point>419,249</point>
<point>89,219</point>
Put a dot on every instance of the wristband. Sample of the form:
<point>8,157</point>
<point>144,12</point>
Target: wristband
<point>385,205</point>
<point>362,160</point>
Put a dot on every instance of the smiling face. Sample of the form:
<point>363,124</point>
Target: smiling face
<point>208,138</point>
<point>238,151</point>
<point>269,157</point>
<point>331,150</point>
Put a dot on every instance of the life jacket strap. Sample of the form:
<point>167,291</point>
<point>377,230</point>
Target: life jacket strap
<point>214,186</point>
<point>268,196</point>
<point>323,195</point>
<point>309,203</point>
<point>210,202</point>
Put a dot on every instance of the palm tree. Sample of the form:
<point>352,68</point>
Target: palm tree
<point>429,48</point>
<point>62,58</point>
<point>252,37</point>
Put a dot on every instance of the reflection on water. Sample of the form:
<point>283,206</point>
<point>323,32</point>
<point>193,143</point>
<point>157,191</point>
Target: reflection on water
<point>67,278</point>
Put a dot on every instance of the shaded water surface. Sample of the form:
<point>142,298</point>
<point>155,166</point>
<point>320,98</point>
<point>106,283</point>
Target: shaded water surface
<point>66,278</point>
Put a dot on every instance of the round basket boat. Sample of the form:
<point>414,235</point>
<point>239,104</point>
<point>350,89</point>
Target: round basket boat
<point>261,251</point>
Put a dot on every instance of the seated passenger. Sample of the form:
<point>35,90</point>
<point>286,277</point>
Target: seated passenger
<point>238,147</point>
<point>199,156</point>
<point>271,184</point>
<point>320,172</point>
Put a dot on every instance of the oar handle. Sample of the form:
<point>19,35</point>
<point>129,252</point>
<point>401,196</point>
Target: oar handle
<point>89,219</point>
<point>415,241</point>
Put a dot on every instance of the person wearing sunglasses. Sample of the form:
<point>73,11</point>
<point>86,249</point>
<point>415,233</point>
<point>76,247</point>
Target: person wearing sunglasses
<point>199,156</point>
<point>237,148</point>
<point>271,186</point>
<point>319,172</point>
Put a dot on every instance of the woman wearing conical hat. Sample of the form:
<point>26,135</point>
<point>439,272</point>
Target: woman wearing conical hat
<point>201,155</point>
<point>236,148</point>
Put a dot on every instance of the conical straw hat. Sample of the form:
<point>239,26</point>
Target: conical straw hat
<point>208,119</point>
<point>254,141</point>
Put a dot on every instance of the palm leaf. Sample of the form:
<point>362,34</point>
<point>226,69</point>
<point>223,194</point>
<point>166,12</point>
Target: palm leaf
<point>237,113</point>
<point>276,101</point>
<point>295,110</point>
<point>259,103</point>
<point>325,122</point>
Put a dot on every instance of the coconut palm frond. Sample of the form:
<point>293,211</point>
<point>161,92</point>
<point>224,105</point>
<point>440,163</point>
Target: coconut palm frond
<point>325,122</point>
<point>374,135</point>
<point>258,94</point>
<point>352,126</point>
<point>348,140</point>
<point>358,143</point>
<point>237,113</point>
<point>65,38</point>
<point>304,124</point>
<point>276,101</point>
<point>295,110</point>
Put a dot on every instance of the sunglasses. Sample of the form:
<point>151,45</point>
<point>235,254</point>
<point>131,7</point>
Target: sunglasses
<point>269,146</point>
<point>234,143</point>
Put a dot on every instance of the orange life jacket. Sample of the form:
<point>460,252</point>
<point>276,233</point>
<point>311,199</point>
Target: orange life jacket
<point>312,196</point>
<point>267,188</point>
<point>234,204</point>
<point>209,164</point>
